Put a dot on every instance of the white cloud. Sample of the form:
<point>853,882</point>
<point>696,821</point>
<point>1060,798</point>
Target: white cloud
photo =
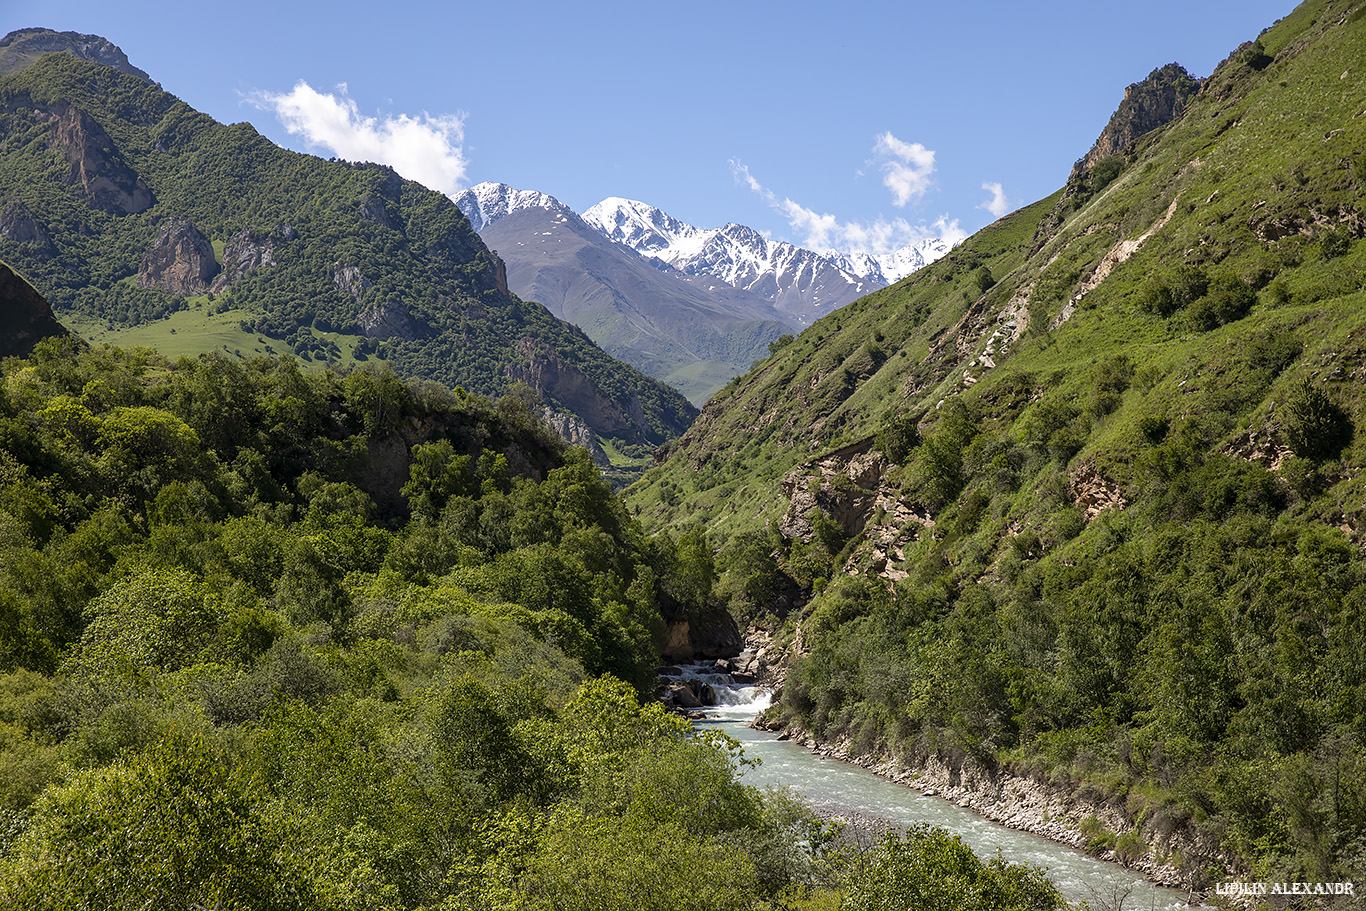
<point>997,205</point>
<point>822,232</point>
<point>424,148</point>
<point>906,168</point>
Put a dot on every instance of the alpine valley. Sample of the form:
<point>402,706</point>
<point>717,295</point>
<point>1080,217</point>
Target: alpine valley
<point>145,222</point>
<point>696,333</point>
<point>1066,525</point>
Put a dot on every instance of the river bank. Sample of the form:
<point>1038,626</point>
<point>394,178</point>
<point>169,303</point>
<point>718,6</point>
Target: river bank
<point>1165,853</point>
<point>1040,808</point>
<point>867,796</point>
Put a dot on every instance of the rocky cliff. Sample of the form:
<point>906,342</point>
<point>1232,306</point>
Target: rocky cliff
<point>554,378</point>
<point>96,165</point>
<point>20,48</point>
<point>248,250</point>
<point>1147,105</point>
<point>18,223</point>
<point>180,260</point>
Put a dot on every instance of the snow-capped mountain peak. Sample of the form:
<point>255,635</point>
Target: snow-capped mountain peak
<point>485,203</point>
<point>800,282</point>
<point>646,229</point>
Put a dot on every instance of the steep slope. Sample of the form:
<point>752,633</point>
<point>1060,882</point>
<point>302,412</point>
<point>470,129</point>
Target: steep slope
<point>693,332</point>
<point>800,283</point>
<point>1082,502</point>
<point>25,318</point>
<point>128,207</point>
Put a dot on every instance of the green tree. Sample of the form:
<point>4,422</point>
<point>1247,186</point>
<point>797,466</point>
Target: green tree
<point>159,618</point>
<point>169,829</point>
<point>898,435</point>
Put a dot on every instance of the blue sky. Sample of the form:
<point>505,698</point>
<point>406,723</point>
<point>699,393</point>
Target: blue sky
<point>853,127</point>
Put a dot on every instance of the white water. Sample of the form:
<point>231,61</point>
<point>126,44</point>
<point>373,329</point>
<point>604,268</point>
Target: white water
<point>835,788</point>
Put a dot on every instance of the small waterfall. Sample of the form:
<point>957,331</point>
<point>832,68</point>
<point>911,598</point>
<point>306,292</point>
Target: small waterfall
<point>721,696</point>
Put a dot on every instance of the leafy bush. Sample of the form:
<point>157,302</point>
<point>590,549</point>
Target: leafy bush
<point>898,436</point>
<point>1316,427</point>
<point>930,870</point>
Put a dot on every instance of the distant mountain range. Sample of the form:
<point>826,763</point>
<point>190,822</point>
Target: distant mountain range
<point>695,332</point>
<point>800,283</point>
<point>692,306</point>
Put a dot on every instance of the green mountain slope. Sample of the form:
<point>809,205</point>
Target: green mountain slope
<point>1084,500</point>
<point>124,206</point>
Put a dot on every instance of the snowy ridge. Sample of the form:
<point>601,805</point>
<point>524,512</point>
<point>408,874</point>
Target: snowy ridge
<point>890,268</point>
<point>485,203</point>
<point>800,282</point>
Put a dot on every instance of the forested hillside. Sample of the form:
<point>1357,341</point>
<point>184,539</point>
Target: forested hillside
<point>1084,500</point>
<point>229,678</point>
<point>125,207</point>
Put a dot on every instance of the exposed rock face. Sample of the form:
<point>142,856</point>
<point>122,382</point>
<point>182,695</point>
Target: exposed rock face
<point>244,251</point>
<point>552,377</point>
<point>25,317</point>
<point>96,165</point>
<point>21,47</point>
<point>714,635</point>
<point>843,485</point>
<point>500,275</point>
<point>390,319</point>
<point>376,209</point>
<point>1147,105</point>
<point>678,645</point>
<point>179,261</point>
<point>1092,492</point>
<point>18,224</point>
<point>349,281</point>
<point>571,428</point>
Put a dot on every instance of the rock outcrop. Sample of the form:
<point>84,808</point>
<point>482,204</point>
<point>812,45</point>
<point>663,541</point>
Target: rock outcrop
<point>23,46</point>
<point>349,281</point>
<point>246,250</point>
<point>1092,492</point>
<point>715,635</point>
<point>573,430</point>
<point>1147,105</point>
<point>554,378</point>
<point>389,319</point>
<point>96,166</point>
<point>712,636</point>
<point>842,485</point>
<point>377,209</point>
<point>25,317</point>
<point>179,261</point>
<point>18,224</point>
